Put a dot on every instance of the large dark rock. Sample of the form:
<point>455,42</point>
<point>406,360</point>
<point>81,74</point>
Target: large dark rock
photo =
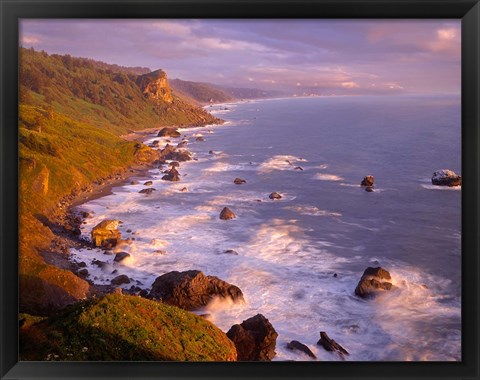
<point>121,256</point>
<point>227,214</point>
<point>446,177</point>
<point>331,345</point>
<point>367,181</point>
<point>372,282</point>
<point>168,132</point>
<point>295,345</point>
<point>191,290</point>
<point>255,339</point>
<point>150,190</point>
<point>171,153</point>
<point>275,195</point>
<point>172,175</point>
<point>239,181</point>
<point>120,280</point>
<point>105,234</point>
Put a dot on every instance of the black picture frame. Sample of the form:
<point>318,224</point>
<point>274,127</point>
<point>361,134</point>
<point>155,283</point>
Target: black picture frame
<point>466,10</point>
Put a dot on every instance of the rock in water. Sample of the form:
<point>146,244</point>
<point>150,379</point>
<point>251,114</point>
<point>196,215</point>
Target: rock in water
<point>330,344</point>
<point>200,138</point>
<point>191,290</point>
<point>373,282</point>
<point>148,183</point>
<point>120,256</point>
<point>105,233</point>
<point>239,181</point>
<point>168,132</point>
<point>119,280</point>
<point>255,339</point>
<point>369,189</point>
<point>147,191</point>
<point>172,175</point>
<point>227,214</point>
<point>446,177</point>
<point>367,181</point>
<point>296,345</point>
<point>275,195</point>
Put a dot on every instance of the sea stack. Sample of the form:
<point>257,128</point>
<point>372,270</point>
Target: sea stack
<point>446,177</point>
<point>227,214</point>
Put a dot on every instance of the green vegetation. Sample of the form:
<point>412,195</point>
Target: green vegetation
<point>72,113</point>
<point>105,96</point>
<point>200,92</point>
<point>121,327</point>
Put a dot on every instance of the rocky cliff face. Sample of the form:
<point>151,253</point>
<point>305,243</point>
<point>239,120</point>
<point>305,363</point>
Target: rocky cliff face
<point>155,86</point>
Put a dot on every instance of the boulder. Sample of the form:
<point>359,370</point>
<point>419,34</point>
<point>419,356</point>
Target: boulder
<point>168,132</point>
<point>200,138</point>
<point>275,195</point>
<point>147,191</point>
<point>295,345</point>
<point>255,339</point>
<point>239,181</point>
<point>119,280</point>
<point>367,181</point>
<point>331,345</point>
<point>191,290</point>
<point>445,177</point>
<point>174,164</point>
<point>226,214</point>
<point>148,183</point>
<point>369,189</point>
<point>372,282</point>
<point>105,234</point>
<point>120,256</point>
<point>171,153</point>
<point>172,175</point>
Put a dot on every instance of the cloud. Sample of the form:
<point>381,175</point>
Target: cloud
<point>343,55</point>
<point>29,40</point>
<point>350,85</point>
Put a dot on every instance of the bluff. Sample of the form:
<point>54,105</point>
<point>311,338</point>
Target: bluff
<point>155,87</point>
<point>72,113</point>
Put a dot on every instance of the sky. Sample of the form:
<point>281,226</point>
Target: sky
<point>300,56</point>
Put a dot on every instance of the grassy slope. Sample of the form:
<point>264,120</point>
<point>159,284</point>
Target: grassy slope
<point>120,327</point>
<point>71,112</point>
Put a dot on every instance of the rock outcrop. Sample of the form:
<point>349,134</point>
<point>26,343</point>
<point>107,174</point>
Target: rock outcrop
<point>331,345</point>
<point>227,214</point>
<point>191,290</point>
<point>172,175</point>
<point>171,153</point>
<point>295,345</point>
<point>367,181</point>
<point>372,282</point>
<point>275,195</point>
<point>255,339</point>
<point>168,132</point>
<point>239,181</point>
<point>446,177</point>
<point>105,234</point>
<point>155,86</point>
<point>120,280</point>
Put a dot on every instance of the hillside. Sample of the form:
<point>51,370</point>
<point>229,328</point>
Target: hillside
<point>121,327</point>
<point>71,114</point>
<point>202,93</point>
<point>107,96</point>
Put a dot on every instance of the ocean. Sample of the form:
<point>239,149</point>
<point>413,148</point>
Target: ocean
<point>286,252</point>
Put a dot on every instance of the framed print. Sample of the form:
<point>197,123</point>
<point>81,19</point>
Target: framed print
<point>233,189</point>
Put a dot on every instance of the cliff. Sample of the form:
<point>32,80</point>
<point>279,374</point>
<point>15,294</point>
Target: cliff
<point>155,87</point>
